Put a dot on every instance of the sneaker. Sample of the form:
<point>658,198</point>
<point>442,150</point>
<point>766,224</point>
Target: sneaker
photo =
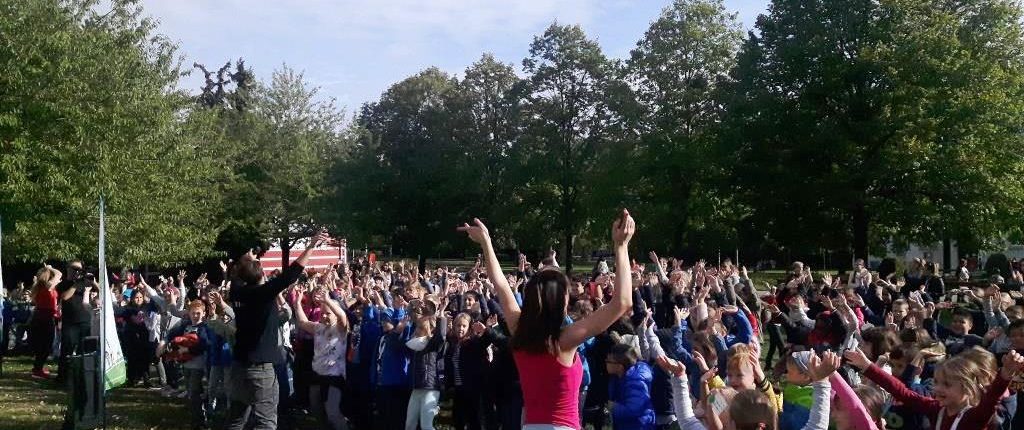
<point>183,394</point>
<point>41,374</point>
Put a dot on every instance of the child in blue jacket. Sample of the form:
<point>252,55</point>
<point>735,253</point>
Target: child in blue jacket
<point>629,388</point>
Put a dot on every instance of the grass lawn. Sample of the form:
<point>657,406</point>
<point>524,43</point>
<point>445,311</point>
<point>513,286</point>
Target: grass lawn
<point>28,404</point>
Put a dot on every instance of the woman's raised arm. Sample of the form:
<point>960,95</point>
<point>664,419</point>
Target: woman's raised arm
<point>622,300</point>
<point>510,308</point>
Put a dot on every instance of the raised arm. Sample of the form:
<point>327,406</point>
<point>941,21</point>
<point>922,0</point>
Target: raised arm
<point>303,259</point>
<point>478,233</point>
<point>300,313</point>
<point>332,306</point>
<point>622,300</point>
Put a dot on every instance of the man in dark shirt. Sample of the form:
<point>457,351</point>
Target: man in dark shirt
<point>76,313</point>
<point>258,347</point>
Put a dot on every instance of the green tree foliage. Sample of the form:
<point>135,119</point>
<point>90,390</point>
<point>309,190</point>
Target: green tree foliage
<point>287,139</point>
<point>569,117</point>
<point>677,68</point>
<point>857,121</point>
<point>89,107</point>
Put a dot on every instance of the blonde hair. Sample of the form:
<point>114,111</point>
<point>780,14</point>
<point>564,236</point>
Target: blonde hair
<point>44,275</point>
<point>971,370</point>
<point>751,409</point>
<point>739,354</point>
<point>459,318</point>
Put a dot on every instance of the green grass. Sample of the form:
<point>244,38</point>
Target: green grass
<point>29,404</point>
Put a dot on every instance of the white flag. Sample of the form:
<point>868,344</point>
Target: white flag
<point>112,359</point>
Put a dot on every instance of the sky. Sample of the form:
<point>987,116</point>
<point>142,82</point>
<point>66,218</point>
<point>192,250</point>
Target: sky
<point>355,49</point>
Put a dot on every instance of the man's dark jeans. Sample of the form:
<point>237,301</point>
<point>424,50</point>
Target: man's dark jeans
<point>72,337</point>
<point>253,390</point>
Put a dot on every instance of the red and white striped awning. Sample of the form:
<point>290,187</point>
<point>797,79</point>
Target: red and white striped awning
<point>322,257</point>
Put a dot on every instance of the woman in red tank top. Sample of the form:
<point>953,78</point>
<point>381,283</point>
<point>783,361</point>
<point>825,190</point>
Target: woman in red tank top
<point>550,370</point>
<point>44,318</point>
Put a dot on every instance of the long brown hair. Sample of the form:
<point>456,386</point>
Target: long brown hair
<point>545,297</point>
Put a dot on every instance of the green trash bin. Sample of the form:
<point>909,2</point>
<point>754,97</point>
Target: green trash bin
<point>85,405</point>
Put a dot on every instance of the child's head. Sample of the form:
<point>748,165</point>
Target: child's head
<point>740,369</point>
<point>196,310</point>
<point>901,357</point>
<point>878,341</point>
<point>962,322</point>
<point>580,309</point>
<point>751,410</point>
<point>959,380</point>
<point>873,401</point>
<point>327,317</point>
<point>915,336</point>
<point>461,325</point>
<point>900,309</point>
<point>702,343</point>
<point>138,299</point>
<point>621,357</point>
<point>425,325</point>
<point>472,300</point>
<point>797,364</point>
<point>1016,334</point>
<point>1014,313</point>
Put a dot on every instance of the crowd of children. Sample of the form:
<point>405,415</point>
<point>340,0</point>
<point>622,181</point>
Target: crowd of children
<point>659,345</point>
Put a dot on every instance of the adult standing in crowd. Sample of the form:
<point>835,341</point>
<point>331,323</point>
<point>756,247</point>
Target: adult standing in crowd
<point>258,343</point>
<point>76,313</point>
<point>545,351</point>
<point>43,325</point>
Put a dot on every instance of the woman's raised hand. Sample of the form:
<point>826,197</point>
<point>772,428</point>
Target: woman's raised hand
<point>477,232</point>
<point>623,228</point>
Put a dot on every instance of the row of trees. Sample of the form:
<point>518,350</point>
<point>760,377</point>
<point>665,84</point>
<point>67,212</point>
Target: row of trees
<point>849,124</point>
<point>843,125</point>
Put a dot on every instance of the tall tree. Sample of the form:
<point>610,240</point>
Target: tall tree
<point>677,69</point>
<point>858,120</point>
<point>567,114</point>
<point>289,137</point>
<point>88,107</point>
<point>400,183</point>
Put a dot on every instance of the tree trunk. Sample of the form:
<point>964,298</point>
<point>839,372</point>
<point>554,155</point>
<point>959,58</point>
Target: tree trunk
<point>860,232</point>
<point>569,239</point>
<point>286,250</point>
<point>947,254</point>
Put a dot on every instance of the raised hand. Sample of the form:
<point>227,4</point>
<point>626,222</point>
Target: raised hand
<point>1013,364</point>
<point>320,238</point>
<point>670,366</point>
<point>478,328</point>
<point>857,359</point>
<point>654,257</point>
<point>698,359</point>
<point>477,232</point>
<point>623,228</point>
<point>681,313</point>
<point>821,368</point>
<point>993,333</point>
